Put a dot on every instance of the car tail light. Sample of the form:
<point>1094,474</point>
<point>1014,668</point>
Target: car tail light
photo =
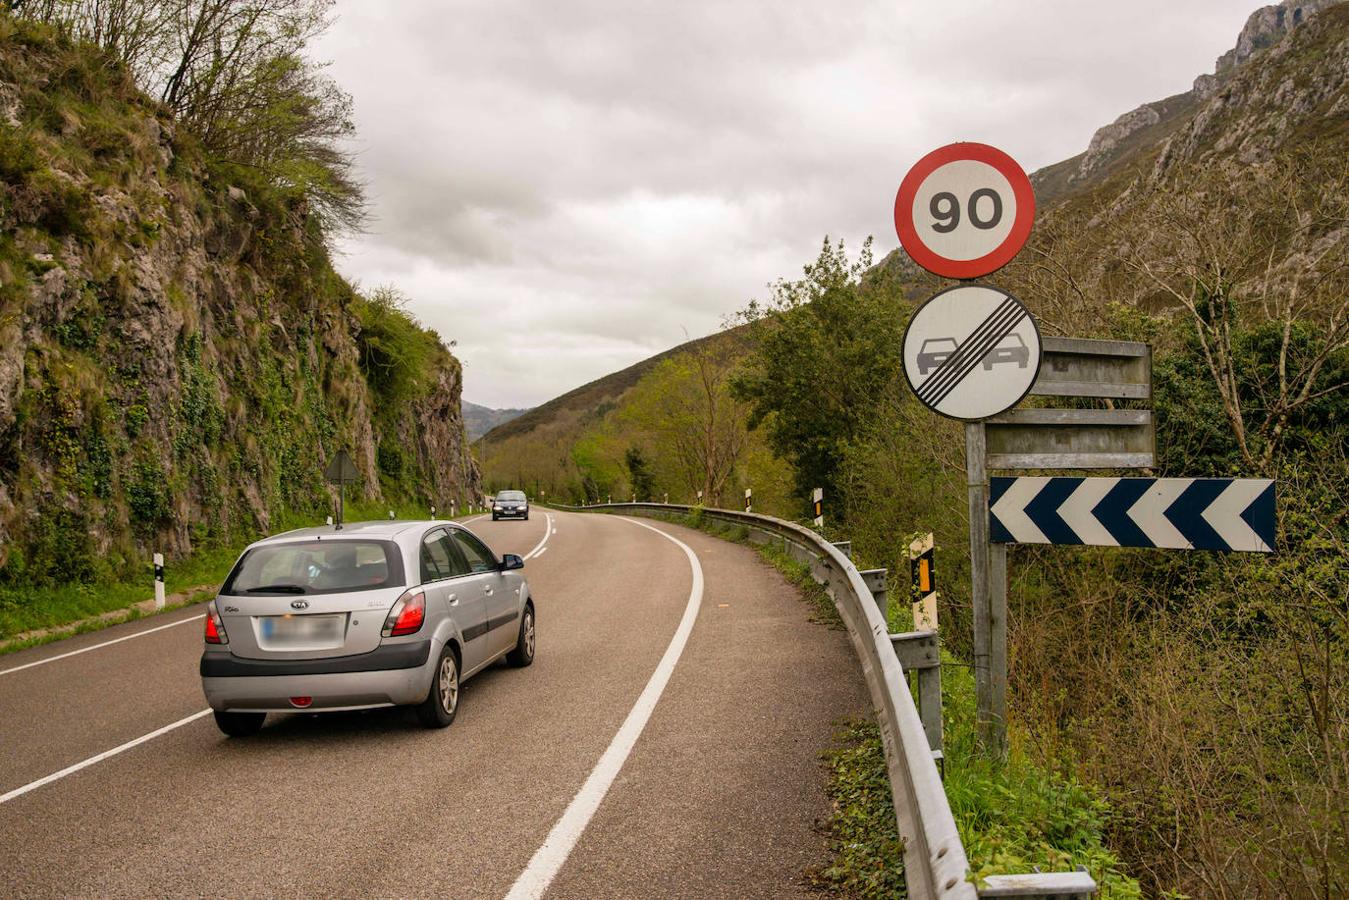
<point>407,615</point>
<point>215,629</point>
<point>301,702</point>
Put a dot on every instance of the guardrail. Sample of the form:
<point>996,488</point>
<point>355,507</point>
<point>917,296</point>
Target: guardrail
<point>935,864</point>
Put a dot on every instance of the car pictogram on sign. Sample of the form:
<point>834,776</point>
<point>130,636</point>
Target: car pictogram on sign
<point>1010,349</point>
<point>934,352</point>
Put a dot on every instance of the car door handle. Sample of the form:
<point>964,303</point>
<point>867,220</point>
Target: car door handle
<point>454,599</point>
<point>487,590</point>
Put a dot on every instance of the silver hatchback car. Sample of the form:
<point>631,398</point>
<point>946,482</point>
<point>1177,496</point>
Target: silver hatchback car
<point>366,615</point>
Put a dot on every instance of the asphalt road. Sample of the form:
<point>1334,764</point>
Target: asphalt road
<point>665,743</point>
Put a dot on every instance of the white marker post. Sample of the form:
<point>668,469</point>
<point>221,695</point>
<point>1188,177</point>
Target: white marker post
<point>817,506</point>
<point>748,507</point>
<point>667,498</point>
<point>159,581</point>
<point>700,498</point>
<point>454,505</point>
<point>433,513</point>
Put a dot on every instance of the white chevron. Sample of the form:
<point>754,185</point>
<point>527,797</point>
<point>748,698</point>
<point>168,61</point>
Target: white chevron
<point>1224,514</point>
<point>1011,509</point>
<point>1076,511</point>
<point>1147,513</point>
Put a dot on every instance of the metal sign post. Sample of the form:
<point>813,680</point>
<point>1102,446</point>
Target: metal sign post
<point>971,352</point>
<point>341,471</point>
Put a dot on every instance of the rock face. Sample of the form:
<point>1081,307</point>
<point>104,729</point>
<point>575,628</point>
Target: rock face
<point>178,359</point>
<point>1263,29</point>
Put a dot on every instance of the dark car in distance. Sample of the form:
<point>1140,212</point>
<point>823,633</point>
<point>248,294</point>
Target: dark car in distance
<point>510,505</point>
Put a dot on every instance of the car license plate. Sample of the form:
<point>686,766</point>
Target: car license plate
<point>302,631</point>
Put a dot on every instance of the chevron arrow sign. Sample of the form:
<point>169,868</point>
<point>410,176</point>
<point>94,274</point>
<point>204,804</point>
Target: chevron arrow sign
<point>1175,513</point>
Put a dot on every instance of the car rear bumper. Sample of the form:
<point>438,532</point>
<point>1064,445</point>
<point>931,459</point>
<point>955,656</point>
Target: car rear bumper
<point>392,675</point>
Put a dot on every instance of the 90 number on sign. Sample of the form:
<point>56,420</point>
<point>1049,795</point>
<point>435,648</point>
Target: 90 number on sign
<point>964,210</point>
<point>945,208</point>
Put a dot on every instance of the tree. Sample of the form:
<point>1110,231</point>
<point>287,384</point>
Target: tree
<point>825,349</point>
<point>684,405</point>
<point>234,72</point>
<point>639,474</point>
<point>1257,266</point>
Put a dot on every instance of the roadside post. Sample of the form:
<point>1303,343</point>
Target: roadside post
<point>700,498</point>
<point>159,581</point>
<point>341,472</point>
<point>666,501</point>
<point>922,570</point>
<point>748,507</point>
<point>817,506</point>
<point>433,513</point>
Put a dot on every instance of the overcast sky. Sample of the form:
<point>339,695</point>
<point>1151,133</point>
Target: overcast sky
<point>565,188</point>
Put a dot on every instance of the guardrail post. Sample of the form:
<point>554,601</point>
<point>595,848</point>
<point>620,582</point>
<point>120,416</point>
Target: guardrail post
<point>918,652</point>
<point>845,546</point>
<point>878,582</point>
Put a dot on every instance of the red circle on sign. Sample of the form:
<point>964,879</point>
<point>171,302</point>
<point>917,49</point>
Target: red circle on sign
<point>989,262</point>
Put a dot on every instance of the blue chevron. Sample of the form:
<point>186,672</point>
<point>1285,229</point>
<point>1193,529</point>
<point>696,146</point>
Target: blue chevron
<point>997,532</point>
<point>1043,510</point>
<point>1113,511</point>
<point>1187,513</point>
<point>1260,516</point>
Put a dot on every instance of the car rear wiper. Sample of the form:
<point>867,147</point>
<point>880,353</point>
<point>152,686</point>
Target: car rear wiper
<point>278,589</point>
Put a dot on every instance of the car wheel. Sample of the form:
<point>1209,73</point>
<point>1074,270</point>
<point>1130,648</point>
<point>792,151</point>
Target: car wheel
<point>442,701</point>
<point>494,518</point>
<point>523,654</point>
<point>526,517</point>
<point>239,724</point>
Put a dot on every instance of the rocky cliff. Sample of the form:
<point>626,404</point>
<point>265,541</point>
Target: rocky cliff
<point>178,358</point>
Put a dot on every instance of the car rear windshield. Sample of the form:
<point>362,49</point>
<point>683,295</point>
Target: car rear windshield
<point>513,496</point>
<point>316,567</point>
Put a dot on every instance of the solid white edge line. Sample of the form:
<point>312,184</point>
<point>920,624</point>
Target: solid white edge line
<point>119,640</point>
<point>549,858</point>
<point>538,548</point>
<point>69,770</point>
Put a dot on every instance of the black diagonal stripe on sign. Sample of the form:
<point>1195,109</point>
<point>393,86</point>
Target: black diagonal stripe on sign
<point>952,365</point>
<point>987,345</point>
<point>975,351</point>
<point>960,355</point>
<point>967,355</point>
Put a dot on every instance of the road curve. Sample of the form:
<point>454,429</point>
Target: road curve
<point>718,795</point>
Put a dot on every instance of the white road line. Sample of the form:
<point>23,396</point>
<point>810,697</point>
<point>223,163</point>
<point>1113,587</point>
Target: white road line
<point>549,858</point>
<point>70,770</point>
<point>97,646</point>
<point>539,548</point>
<point>541,552</point>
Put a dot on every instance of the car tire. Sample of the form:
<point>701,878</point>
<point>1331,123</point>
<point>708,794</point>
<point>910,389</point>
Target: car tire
<point>239,724</point>
<point>494,518</point>
<point>523,652</point>
<point>526,517</point>
<point>442,699</point>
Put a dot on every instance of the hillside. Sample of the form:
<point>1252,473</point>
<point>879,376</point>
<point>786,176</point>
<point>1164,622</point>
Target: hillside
<point>478,420</point>
<point>178,358</point>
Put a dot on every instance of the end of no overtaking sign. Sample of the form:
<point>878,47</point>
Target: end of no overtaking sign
<point>964,210</point>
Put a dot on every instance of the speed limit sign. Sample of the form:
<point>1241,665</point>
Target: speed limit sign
<point>964,210</point>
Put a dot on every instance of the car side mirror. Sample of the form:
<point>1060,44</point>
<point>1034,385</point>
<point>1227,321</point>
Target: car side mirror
<point>511,561</point>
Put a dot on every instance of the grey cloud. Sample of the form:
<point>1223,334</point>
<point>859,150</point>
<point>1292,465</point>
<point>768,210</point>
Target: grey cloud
<point>596,177</point>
